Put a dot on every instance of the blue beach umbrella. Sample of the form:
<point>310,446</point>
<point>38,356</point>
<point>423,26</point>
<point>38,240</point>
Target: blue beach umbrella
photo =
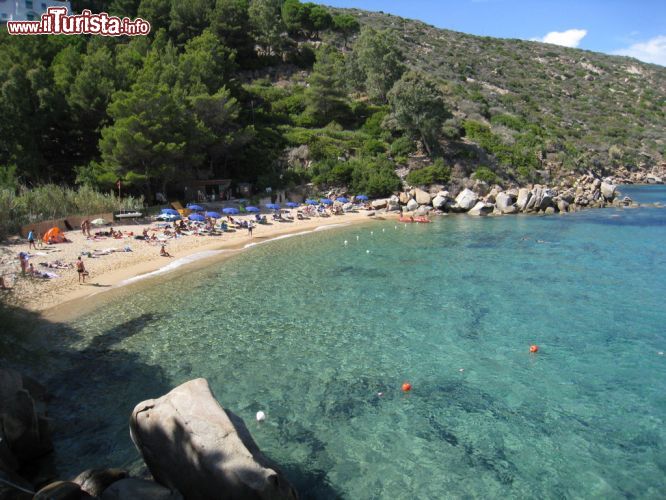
<point>213,215</point>
<point>291,204</point>
<point>362,197</point>
<point>342,199</point>
<point>195,208</point>
<point>231,211</point>
<point>252,209</point>
<point>170,211</point>
<point>326,201</point>
<point>311,202</point>
<point>197,217</point>
<point>272,206</point>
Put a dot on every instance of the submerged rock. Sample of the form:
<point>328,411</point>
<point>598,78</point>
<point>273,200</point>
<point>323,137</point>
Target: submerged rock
<point>190,443</point>
<point>139,489</point>
<point>95,481</point>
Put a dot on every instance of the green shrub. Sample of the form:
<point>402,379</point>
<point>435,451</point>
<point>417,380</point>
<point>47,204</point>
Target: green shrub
<point>373,147</point>
<point>374,176</point>
<point>486,175</point>
<point>402,147</point>
<point>437,173</point>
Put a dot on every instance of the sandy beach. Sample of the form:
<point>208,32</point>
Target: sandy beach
<point>111,266</point>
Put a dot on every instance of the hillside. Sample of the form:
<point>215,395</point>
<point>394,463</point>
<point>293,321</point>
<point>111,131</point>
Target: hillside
<point>285,94</point>
<point>592,110</point>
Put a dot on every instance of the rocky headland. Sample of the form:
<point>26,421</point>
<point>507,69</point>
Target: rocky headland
<point>477,198</point>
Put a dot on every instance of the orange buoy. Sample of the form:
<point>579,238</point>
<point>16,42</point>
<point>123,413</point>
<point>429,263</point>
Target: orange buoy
<point>534,348</point>
<point>406,387</point>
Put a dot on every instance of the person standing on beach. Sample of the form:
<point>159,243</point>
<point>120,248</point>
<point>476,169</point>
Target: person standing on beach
<point>81,269</point>
<point>31,239</point>
<point>23,260</point>
<point>249,228</point>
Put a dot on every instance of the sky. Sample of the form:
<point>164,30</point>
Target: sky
<point>624,27</point>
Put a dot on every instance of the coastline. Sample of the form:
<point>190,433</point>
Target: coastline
<point>62,298</point>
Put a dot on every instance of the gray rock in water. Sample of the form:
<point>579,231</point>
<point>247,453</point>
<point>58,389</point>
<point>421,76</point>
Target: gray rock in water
<point>653,179</point>
<point>563,206</point>
<point>549,210</point>
<point>95,481</point>
<point>511,209</point>
<point>481,209</point>
<point>608,191</point>
<point>524,196</point>
<point>190,443</point>
<point>139,489</point>
<point>412,205</point>
<point>466,199</point>
<point>546,201</point>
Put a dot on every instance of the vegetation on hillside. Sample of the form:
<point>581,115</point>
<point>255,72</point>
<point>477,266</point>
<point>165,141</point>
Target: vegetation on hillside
<point>280,93</point>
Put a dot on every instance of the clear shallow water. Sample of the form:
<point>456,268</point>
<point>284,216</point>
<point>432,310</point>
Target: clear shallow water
<point>310,331</point>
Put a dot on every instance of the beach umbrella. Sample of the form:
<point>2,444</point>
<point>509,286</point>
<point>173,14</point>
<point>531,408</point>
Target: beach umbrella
<point>197,217</point>
<point>98,222</point>
<point>231,211</point>
<point>213,215</point>
<point>195,208</point>
<point>170,211</point>
<point>361,197</point>
<point>342,199</point>
<point>291,204</point>
<point>311,202</point>
<point>252,209</point>
<point>273,206</point>
<point>326,201</point>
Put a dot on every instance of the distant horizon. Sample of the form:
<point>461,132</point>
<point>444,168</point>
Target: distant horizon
<point>611,27</point>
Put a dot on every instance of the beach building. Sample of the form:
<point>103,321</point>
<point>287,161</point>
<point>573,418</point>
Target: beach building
<point>27,10</point>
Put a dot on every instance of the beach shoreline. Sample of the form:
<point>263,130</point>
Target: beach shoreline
<point>63,298</point>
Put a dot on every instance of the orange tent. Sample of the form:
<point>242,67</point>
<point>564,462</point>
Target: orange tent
<point>53,235</point>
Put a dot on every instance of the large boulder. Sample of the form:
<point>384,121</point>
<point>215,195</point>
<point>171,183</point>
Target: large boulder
<point>466,199</point>
<point>404,198</point>
<point>422,197</point>
<point>439,202</point>
<point>481,209</point>
<point>524,196</point>
<point>563,205</point>
<point>412,205</point>
<point>546,198</point>
<point>504,200</point>
<point>653,179</point>
<point>139,489</point>
<point>393,205</point>
<point>608,191</point>
<point>377,204</point>
<point>191,444</point>
<point>24,430</point>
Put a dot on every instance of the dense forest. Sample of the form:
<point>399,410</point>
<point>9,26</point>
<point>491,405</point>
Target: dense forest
<point>282,93</point>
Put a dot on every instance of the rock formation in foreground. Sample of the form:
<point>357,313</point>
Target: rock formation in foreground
<point>193,445</point>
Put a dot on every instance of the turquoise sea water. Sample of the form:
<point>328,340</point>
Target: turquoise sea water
<point>311,330</point>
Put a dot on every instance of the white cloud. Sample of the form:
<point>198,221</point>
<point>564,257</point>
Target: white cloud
<point>652,51</point>
<point>568,38</point>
